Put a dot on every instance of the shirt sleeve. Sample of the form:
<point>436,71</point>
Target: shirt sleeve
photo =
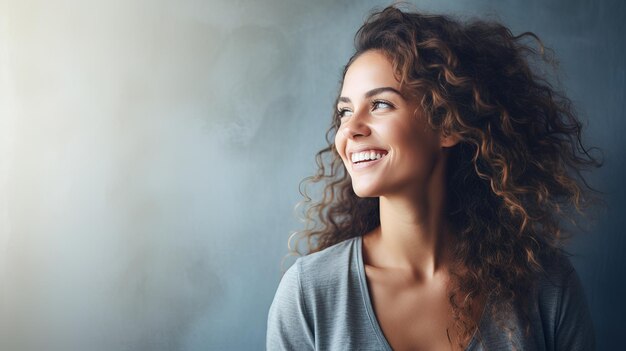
<point>574,329</point>
<point>288,327</point>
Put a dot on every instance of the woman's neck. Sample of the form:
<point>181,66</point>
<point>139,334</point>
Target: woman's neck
<point>414,234</point>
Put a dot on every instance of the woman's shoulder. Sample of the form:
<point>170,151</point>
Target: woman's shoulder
<point>311,300</point>
<point>326,265</point>
<point>557,279</point>
<point>557,271</point>
<point>562,304</point>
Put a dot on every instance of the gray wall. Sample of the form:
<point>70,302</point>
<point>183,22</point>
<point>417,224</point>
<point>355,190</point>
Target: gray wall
<point>150,155</point>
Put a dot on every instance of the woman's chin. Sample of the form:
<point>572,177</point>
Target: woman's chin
<point>363,192</point>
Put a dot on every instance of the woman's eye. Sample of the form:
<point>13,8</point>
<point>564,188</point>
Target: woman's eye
<point>381,104</point>
<point>344,112</point>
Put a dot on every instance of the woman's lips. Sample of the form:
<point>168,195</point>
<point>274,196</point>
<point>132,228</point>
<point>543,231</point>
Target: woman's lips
<point>366,164</point>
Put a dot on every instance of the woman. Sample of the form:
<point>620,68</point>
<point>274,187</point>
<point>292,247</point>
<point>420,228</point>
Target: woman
<point>452,164</point>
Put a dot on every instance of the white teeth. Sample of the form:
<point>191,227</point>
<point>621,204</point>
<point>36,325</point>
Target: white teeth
<point>366,155</point>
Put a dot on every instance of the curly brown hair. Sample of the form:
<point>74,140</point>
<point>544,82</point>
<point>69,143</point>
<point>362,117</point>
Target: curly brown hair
<point>515,173</point>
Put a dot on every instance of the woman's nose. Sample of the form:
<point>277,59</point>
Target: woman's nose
<point>355,127</point>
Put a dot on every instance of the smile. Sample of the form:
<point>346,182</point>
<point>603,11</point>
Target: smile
<point>366,158</point>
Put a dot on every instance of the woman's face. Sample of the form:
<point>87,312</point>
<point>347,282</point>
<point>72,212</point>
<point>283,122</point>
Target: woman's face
<point>384,139</point>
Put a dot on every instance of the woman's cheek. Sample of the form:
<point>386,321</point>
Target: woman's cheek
<point>340,146</point>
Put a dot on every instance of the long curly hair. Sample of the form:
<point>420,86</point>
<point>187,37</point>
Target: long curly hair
<point>510,180</point>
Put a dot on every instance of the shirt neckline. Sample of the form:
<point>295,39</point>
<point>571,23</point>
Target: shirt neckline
<point>370,309</point>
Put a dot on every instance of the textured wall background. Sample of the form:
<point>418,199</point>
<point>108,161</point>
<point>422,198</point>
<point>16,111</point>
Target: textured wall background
<point>150,155</point>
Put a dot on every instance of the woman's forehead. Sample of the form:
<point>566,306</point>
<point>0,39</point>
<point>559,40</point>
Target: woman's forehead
<point>370,70</point>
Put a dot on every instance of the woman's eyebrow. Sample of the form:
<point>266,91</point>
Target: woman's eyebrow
<point>373,92</point>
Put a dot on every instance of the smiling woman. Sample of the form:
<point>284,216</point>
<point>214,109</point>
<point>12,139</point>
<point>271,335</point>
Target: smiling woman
<point>451,165</point>
<point>378,117</point>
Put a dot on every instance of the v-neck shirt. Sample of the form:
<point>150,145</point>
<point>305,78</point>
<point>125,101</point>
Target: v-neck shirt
<point>323,303</point>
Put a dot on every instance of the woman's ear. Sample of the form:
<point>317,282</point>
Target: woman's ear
<point>449,140</point>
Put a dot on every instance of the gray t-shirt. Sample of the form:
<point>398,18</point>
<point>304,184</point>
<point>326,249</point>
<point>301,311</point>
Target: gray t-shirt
<point>323,303</point>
